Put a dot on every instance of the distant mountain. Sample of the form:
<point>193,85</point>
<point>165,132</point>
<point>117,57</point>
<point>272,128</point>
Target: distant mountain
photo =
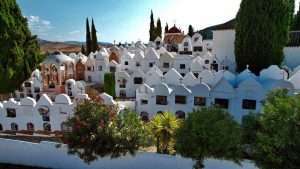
<point>65,47</point>
<point>83,43</point>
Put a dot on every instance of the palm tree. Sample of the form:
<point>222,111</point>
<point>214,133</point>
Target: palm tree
<point>163,127</point>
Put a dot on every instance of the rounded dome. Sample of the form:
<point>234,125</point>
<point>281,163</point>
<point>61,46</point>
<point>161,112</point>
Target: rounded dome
<point>71,81</point>
<point>63,99</point>
<point>28,101</point>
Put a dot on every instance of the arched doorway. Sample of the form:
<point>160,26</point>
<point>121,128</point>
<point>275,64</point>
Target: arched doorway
<point>180,114</point>
<point>14,126</point>
<point>30,127</point>
<point>47,127</point>
<point>144,116</point>
<point>1,128</point>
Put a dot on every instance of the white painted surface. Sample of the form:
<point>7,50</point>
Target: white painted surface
<point>45,154</point>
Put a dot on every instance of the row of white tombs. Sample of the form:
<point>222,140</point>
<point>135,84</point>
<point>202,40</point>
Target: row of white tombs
<point>155,93</point>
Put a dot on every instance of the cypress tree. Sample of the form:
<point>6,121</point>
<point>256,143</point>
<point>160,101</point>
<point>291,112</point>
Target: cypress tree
<point>158,29</point>
<point>152,28</point>
<point>19,50</point>
<point>296,21</point>
<point>82,49</point>
<point>88,38</point>
<point>261,44</point>
<point>191,31</point>
<point>94,43</point>
<point>166,28</point>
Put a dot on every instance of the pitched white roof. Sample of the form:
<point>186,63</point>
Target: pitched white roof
<point>162,89</point>
<point>156,70</point>
<point>245,75</point>
<point>190,80</point>
<point>139,55</point>
<point>181,90</point>
<point>151,53</point>
<point>173,77</point>
<point>145,88</point>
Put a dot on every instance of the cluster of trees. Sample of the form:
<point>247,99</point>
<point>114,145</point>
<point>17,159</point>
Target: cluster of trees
<point>19,49</point>
<point>155,31</point>
<point>270,139</point>
<point>261,44</point>
<point>91,39</point>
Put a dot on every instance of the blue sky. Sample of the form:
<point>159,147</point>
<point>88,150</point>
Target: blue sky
<point>120,20</point>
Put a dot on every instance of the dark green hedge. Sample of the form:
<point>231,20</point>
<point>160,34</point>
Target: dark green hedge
<point>109,84</point>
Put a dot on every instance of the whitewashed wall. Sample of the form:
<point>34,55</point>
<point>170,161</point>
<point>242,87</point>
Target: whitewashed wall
<point>223,46</point>
<point>45,154</point>
<point>292,57</point>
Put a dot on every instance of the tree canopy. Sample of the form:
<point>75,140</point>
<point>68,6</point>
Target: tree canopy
<point>88,39</point>
<point>98,131</point>
<point>261,44</point>
<point>163,127</point>
<point>94,44</point>
<point>158,29</point>
<point>19,49</point>
<point>278,137</point>
<point>209,133</point>
<point>191,31</point>
<point>152,28</point>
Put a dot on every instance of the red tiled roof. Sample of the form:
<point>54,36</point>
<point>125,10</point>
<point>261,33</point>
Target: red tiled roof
<point>173,39</point>
<point>174,29</point>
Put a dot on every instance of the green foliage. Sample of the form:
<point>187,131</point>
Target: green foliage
<point>152,28</point>
<point>166,28</point>
<point>278,138</point>
<point>250,126</point>
<point>19,50</point>
<point>82,49</point>
<point>109,84</point>
<point>97,131</point>
<point>191,31</point>
<point>163,127</point>
<point>209,133</point>
<point>261,44</point>
<point>88,38</point>
<point>158,30</point>
<point>94,44</point>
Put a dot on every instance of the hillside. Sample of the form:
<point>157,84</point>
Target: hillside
<point>65,47</point>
